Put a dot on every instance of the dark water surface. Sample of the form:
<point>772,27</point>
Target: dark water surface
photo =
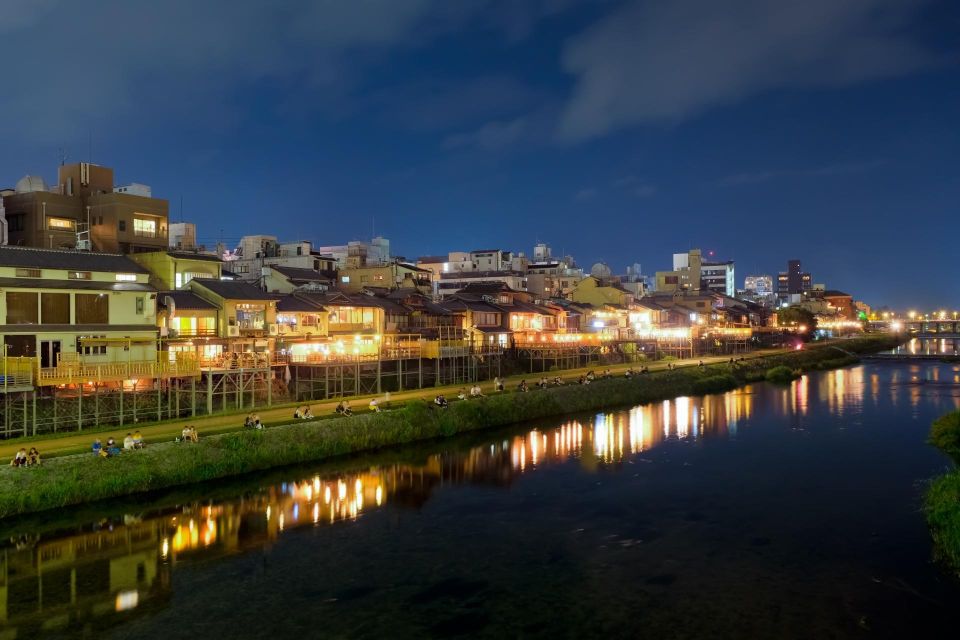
<point>767,512</point>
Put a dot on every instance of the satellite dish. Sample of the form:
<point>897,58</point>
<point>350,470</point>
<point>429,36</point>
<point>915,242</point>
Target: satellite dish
<point>600,270</point>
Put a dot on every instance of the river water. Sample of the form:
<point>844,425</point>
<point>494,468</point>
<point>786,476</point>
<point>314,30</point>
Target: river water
<point>768,512</point>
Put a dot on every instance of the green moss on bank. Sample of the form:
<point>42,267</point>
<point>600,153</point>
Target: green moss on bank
<point>77,479</point>
<point>942,500</point>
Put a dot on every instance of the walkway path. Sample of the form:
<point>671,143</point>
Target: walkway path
<point>79,442</point>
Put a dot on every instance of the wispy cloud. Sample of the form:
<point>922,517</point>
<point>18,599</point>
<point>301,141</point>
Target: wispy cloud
<point>758,177</point>
<point>490,137</point>
<point>665,61</point>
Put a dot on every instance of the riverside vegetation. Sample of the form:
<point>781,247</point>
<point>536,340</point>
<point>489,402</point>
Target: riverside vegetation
<point>77,479</point>
<point>942,500</point>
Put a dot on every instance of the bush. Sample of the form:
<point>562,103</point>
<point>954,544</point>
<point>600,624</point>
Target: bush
<point>781,374</point>
<point>715,384</point>
<point>942,508</point>
<point>945,435</point>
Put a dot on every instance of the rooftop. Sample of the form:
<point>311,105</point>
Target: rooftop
<point>67,259</point>
<point>232,289</point>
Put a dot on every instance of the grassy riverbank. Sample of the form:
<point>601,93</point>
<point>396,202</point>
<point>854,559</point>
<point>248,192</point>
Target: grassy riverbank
<point>77,479</point>
<point>942,500</point>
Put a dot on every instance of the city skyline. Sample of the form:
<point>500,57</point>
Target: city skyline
<point>497,124</point>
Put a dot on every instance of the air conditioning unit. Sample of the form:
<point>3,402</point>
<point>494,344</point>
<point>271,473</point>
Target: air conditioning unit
<point>233,332</point>
<point>272,328</point>
<point>164,332</point>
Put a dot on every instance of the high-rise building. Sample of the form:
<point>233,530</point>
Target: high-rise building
<point>718,277</point>
<point>691,273</point>
<point>793,281</point>
<point>759,286</point>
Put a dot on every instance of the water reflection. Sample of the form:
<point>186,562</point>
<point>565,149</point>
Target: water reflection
<point>930,347</point>
<point>123,567</point>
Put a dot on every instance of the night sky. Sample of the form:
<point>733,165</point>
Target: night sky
<point>825,130</point>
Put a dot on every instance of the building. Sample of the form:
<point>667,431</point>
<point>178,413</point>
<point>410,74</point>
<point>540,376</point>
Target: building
<point>74,308</point>
<point>388,276</point>
<point>257,252</point>
<point>794,281</point>
<point>84,210</point>
<point>278,279</point>
<point>174,269</point>
<point>685,275</point>
<point>758,286</point>
<point>718,277</point>
<point>450,283</point>
<point>377,251</point>
<point>183,236</point>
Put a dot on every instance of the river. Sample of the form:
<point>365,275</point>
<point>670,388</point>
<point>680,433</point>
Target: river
<point>765,512</point>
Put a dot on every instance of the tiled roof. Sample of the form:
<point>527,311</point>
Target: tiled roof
<point>232,289</point>
<point>190,255</point>
<point>68,260</point>
<point>184,300</point>
<point>300,275</point>
<point>292,303</point>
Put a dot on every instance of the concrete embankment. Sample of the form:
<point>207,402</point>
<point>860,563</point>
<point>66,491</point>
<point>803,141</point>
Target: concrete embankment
<point>77,479</point>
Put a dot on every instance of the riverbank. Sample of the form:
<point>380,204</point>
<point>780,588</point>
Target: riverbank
<point>942,500</point>
<point>77,479</point>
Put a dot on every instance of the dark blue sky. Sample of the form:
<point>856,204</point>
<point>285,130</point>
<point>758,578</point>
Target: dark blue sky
<point>614,130</point>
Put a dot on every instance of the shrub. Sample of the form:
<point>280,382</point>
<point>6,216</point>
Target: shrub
<point>942,509</point>
<point>781,374</point>
<point>715,384</point>
<point>945,435</point>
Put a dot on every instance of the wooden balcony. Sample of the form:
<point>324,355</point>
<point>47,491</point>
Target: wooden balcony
<point>80,372</point>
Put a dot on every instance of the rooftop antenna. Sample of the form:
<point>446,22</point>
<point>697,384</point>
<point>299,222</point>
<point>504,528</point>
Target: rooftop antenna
<point>90,146</point>
<point>63,156</point>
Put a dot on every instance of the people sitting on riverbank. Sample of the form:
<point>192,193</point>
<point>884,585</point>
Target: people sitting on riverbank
<point>374,405</point>
<point>558,381</point>
<point>138,442</point>
<point>462,394</point>
<point>591,376</point>
<point>607,374</point>
<point>344,409</point>
<point>298,413</point>
<point>544,383</point>
<point>195,436</point>
<point>645,369</point>
<point>33,457</point>
<point>112,448</point>
<point>441,402</point>
<point>582,379</point>
<point>19,459</point>
<point>476,391</point>
<point>128,442</point>
<point>185,434</point>
<point>497,384</point>
<point>97,446</point>
<point>628,373</point>
<point>307,412</point>
<point>522,387</point>
<point>248,421</point>
<point>700,364</point>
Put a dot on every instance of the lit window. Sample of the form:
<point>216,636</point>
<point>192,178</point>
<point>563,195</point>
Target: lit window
<point>345,279</point>
<point>145,228</point>
<point>61,224</point>
<point>126,277</point>
<point>78,275</point>
<point>28,273</point>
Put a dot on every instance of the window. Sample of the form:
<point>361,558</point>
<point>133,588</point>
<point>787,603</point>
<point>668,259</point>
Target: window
<point>55,308</point>
<point>122,225</point>
<point>87,345</point>
<point>15,222</point>
<point>61,224</point>
<point>126,277</point>
<point>144,228</point>
<point>364,278</point>
<point>93,308</point>
<point>22,307</point>
<point>29,273</point>
<point>79,275</point>
<point>141,304</point>
<point>345,279</point>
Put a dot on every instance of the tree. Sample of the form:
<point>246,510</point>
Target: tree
<point>796,317</point>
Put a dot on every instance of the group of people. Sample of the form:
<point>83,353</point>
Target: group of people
<point>107,449</point>
<point>189,434</point>
<point>252,421</point>
<point>303,413</point>
<point>24,458</point>
<point>133,441</point>
<point>343,409</point>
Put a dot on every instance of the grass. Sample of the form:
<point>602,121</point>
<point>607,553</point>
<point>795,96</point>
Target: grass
<point>781,374</point>
<point>942,499</point>
<point>77,479</point>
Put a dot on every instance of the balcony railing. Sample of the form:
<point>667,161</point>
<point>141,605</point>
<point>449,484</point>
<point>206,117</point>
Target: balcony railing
<point>350,327</point>
<point>17,373</point>
<point>80,372</point>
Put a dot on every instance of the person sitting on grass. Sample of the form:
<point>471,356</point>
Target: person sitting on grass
<point>248,421</point>
<point>522,387</point>
<point>194,436</point>
<point>344,409</point>
<point>185,434</point>
<point>374,405</point>
<point>20,459</point>
<point>497,384</point>
<point>700,364</point>
<point>628,372</point>
<point>558,381</point>
<point>543,382</point>
<point>591,376</point>
<point>441,402</point>
<point>138,442</point>
<point>97,446</point>
<point>645,369</point>
<point>607,374</point>
<point>307,413</point>
<point>128,442</point>
<point>33,458</point>
<point>112,448</point>
<point>298,414</point>
<point>476,391</point>
<point>462,394</point>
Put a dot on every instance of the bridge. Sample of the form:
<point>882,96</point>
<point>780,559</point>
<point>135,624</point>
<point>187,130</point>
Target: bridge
<point>932,328</point>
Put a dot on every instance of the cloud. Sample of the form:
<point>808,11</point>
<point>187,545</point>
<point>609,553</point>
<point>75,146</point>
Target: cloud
<point>490,137</point>
<point>653,61</point>
<point>758,177</point>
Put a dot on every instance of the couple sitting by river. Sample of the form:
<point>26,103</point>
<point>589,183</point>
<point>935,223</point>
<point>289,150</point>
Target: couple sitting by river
<point>25,459</point>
